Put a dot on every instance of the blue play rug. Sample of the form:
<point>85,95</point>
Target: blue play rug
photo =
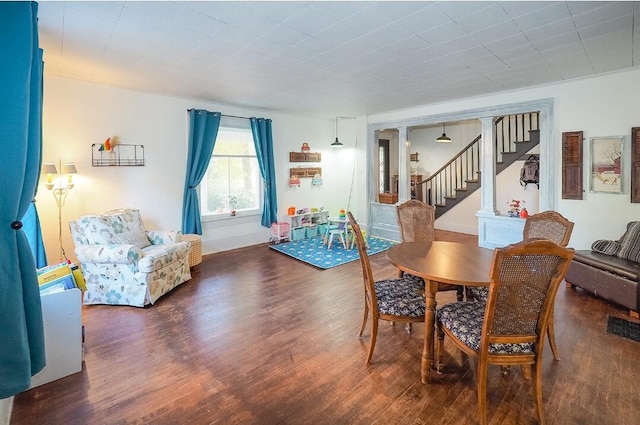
<point>314,252</point>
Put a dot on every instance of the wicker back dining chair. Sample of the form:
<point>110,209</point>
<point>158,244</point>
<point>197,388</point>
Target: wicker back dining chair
<point>509,329</point>
<point>549,225</point>
<point>393,300</point>
<point>416,220</point>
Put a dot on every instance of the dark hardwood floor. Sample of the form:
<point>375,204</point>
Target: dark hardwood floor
<point>259,338</point>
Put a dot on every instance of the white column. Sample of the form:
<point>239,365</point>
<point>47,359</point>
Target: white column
<point>487,212</point>
<point>404,167</point>
<point>487,170</point>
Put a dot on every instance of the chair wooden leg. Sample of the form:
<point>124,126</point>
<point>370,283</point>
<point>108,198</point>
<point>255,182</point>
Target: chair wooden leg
<point>551,335</point>
<point>537,390</point>
<point>460,293</point>
<point>526,371</point>
<point>440,348</point>
<point>482,391</point>
<point>372,344</point>
<point>364,319</point>
<point>409,328</point>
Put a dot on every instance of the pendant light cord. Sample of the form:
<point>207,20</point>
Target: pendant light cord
<point>353,174</point>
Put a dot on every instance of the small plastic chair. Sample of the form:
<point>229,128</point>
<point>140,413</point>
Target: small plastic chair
<point>340,233</point>
<point>351,237</point>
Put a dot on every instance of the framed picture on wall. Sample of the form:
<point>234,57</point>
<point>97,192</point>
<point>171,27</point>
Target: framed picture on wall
<point>606,164</point>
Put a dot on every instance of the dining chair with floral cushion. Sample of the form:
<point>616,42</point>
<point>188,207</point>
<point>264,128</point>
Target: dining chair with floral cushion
<point>509,328</point>
<point>393,300</point>
<point>417,223</point>
<point>549,225</point>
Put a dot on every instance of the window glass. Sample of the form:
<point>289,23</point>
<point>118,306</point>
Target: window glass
<point>232,181</point>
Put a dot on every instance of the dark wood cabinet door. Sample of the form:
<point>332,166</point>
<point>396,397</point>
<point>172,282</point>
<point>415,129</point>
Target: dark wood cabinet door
<point>635,165</point>
<point>572,165</point>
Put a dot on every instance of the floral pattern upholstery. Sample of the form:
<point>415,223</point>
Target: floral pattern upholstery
<point>478,293</point>
<point>125,274</point>
<point>464,320</point>
<point>399,297</point>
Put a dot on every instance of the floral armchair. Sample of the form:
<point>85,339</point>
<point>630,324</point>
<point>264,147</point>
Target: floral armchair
<point>124,264</point>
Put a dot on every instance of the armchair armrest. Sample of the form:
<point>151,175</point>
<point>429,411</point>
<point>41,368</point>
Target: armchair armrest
<point>120,254</point>
<point>163,237</point>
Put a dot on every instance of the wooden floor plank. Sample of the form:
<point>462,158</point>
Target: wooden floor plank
<point>257,337</point>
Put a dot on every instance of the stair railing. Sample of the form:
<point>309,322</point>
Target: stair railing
<point>465,165</point>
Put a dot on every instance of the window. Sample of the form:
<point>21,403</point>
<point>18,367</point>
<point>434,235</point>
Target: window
<point>232,181</point>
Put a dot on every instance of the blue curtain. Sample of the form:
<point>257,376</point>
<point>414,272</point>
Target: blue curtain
<point>263,140</point>
<point>21,331</point>
<point>203,130</point>
<point>33,231</point>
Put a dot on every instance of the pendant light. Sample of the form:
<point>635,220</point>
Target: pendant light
<point>443,138</point>
<point>337,143</point>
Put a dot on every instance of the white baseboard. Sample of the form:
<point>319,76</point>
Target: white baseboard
<point>6,404</point>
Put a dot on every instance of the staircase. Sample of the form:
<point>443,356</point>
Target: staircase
<point>515,135</point>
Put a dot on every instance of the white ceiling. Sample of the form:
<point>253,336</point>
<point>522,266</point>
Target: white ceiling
<point>330,58</point>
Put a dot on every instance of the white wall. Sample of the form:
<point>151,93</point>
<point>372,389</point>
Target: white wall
<point>599,106</point>
<point>77,114</point>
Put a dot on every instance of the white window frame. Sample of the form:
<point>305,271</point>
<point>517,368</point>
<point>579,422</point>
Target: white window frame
<point>232,124</point>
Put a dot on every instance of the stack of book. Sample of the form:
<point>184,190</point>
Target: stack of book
<point>59,277</point>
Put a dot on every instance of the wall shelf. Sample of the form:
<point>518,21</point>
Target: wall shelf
<point>305,156</point>
<point>119,156</point>
<point>304,171</point>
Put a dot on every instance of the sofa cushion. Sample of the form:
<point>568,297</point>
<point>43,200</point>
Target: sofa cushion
<point>610,263</point>
<point>604,246</point>
<point>630,242</point>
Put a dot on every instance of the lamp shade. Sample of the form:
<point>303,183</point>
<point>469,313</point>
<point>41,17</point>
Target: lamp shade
<point>337,144</point>
<point>49,168</point>
<point>443,138</point>
<point>69,168</point>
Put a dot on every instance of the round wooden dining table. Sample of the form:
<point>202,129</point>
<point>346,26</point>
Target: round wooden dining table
<point>440,261</point>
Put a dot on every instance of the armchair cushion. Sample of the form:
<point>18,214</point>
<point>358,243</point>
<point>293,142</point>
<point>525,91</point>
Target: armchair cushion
<point>119,254</point>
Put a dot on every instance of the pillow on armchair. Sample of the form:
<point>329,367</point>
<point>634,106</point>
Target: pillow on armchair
<point>133,237</point>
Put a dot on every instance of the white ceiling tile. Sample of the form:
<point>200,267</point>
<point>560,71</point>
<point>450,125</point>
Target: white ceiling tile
<point>400,9</point>
<point>604,28</point>
<point>224,11</point>
<point>444,33</point>
<point>425,19</point>
<point>356,57</point>
<point>488,16</point>
<point>597,12</point>
<point>461,9</point>
<point>548,12</point>
<point>516,41</point>
<point>405,46</point>
<point>496,32</point>
<point>310,21</point>
<point>163,11</point>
